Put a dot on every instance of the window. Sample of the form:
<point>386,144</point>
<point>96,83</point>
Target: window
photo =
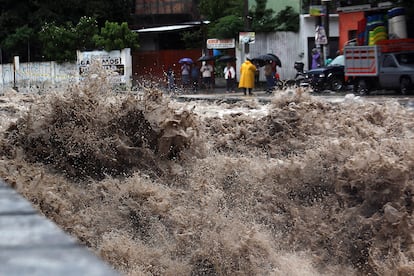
<point>405,58</point>
<point>389,61</point>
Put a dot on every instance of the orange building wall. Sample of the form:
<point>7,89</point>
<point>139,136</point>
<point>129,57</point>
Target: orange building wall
<point>347,22</point>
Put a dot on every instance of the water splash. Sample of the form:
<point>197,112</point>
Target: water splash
<point>300,186</point>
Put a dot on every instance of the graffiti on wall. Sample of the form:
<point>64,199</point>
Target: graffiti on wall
<point>53,74</point>
<point>38,73</point>
<point>117,61</point>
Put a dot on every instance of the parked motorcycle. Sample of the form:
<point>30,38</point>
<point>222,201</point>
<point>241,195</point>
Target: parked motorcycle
<point>300,79</point>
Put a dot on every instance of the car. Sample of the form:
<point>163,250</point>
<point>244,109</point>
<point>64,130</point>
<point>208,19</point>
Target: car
<point>330,77</point>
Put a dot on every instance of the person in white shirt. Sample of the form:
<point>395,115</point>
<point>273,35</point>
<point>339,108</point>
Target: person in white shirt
<point>206,73</point>
<point>230,77</point>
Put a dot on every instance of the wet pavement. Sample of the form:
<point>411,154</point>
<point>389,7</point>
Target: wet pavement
<point>220,95</point>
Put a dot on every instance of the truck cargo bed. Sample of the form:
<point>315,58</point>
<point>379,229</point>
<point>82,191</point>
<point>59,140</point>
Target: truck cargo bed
<point>361,60</point>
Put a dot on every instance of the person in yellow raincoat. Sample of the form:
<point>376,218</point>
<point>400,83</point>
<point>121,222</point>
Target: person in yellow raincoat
<point>247,71</point>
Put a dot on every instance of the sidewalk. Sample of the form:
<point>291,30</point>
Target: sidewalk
<point>219,93</point>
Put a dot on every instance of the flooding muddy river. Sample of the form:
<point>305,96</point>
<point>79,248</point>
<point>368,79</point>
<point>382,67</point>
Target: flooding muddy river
<point>298,186</point>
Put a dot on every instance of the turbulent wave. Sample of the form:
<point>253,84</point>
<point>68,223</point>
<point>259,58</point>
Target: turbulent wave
<point>300,186</point>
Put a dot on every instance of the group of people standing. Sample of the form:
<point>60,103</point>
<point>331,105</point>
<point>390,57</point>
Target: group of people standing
<point>247,76</point>
<point>191,73</point>
<point>248,72</point>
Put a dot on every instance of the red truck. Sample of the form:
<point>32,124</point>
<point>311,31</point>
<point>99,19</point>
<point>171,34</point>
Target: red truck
<point>389,65</point>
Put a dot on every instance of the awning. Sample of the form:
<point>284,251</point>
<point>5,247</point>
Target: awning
<point>164,28</point>
<point>172,27</point>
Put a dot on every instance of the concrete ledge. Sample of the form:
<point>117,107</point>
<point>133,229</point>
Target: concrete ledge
<point>51,261</point>
<point>11,203</point>
<point>30,244</point>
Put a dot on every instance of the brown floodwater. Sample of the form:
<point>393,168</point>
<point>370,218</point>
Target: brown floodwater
<point>299,186</point>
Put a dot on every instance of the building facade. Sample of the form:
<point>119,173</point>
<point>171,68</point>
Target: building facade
<point>150,13</point>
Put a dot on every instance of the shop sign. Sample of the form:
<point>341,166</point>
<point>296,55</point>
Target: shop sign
<point>214,43</point>
<point>317,10</point>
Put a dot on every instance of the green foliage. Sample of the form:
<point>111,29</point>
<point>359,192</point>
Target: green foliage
<point>226,17</point>
<point>85,30</point>
<point>263,20</point>
<point>107,10</point>
<point>33,14</point>
<point>226,27</point>
<point>287,20</point>
<point>192,39</point>
<point>59,42</point>
<point>213,10</point>
<point>20,39</point>
<point>116,36</point>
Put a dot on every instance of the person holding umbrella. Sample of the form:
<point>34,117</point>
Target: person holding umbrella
<point>185,74</point>
<point>247,73</point>
<point>270,72</point>
<point>185,70</point>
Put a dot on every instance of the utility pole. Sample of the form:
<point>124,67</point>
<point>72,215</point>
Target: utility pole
<point>16,65</point>
<point>246,24</point>
<point>204,32</point>
<point>326,26</point>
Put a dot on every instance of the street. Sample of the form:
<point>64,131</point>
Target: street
<point>219,94</point>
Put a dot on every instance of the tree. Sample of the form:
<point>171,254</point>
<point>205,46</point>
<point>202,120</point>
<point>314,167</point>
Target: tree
<point>20,38</point>
<point>222,25</point>
<point>116,36</point>
<point>287,20</point>
<point>86,28</point>
<point>34,14</point>
<point>108,10</point>
<point>193,39</point>
<point>226,27</point>
<point>226,17</point>
<point>58,42</point>
<point>213,10</point>
<point>263,20</point>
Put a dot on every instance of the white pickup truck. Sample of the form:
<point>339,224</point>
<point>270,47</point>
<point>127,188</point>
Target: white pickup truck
<point>388,66</point>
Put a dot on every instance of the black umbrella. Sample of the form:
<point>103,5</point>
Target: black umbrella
<point>226,58</point>
<point>258,61</point>
<point>206,58</point>
<point>267,58</point>
<point>276,59</point>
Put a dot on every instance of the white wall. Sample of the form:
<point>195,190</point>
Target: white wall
<point>286,45</point>
<point>39,75</point>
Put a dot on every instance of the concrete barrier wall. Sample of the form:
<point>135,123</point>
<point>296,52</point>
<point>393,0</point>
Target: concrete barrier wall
<point>38,74</point>
<point>32,76</point>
